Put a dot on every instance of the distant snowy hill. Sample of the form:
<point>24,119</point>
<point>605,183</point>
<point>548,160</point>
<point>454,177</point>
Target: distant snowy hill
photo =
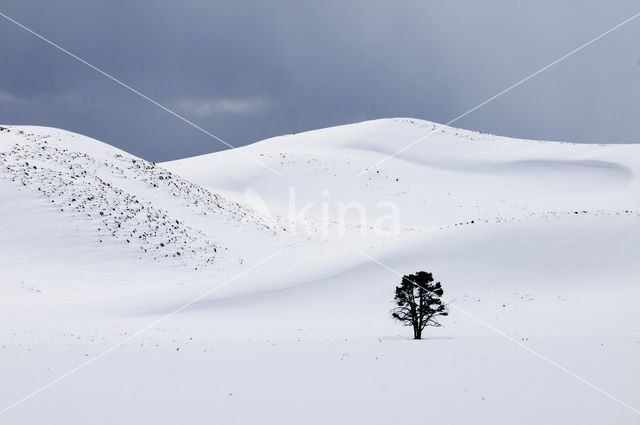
<point>452,176</point>
<point>212,290</point>
<point>193,211</point>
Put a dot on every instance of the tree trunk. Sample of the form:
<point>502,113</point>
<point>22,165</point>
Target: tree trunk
<point>417,332</point>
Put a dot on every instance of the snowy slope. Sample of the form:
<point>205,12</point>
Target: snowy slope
<point>119,198</point>
<point>452,176</point>
<point>536,243</point>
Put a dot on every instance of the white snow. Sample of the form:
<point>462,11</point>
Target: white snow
<point>536,240</point>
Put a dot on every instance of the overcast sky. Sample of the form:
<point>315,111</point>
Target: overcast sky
<point>251,70</point>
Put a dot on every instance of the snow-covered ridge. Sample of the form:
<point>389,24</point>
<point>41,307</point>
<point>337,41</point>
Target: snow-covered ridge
<point>444,175</point>
<point>191,211</point>
<point>121,196</point>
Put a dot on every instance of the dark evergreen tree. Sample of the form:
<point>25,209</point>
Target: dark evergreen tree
<point>419,302</point>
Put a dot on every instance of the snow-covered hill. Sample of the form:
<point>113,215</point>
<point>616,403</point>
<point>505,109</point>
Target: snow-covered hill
<point>536,243</point>
<point>121,198</point>
<point>452,176</point>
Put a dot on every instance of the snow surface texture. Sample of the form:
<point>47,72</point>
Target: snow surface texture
<point>538,240</point>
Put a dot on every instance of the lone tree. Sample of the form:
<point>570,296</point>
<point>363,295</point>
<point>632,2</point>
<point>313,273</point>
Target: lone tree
<point>419,302</point>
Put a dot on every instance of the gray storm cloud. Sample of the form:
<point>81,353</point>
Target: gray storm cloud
<point>251,70</point>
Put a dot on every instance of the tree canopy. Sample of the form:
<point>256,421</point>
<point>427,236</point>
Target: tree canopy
<point>419,302</point>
